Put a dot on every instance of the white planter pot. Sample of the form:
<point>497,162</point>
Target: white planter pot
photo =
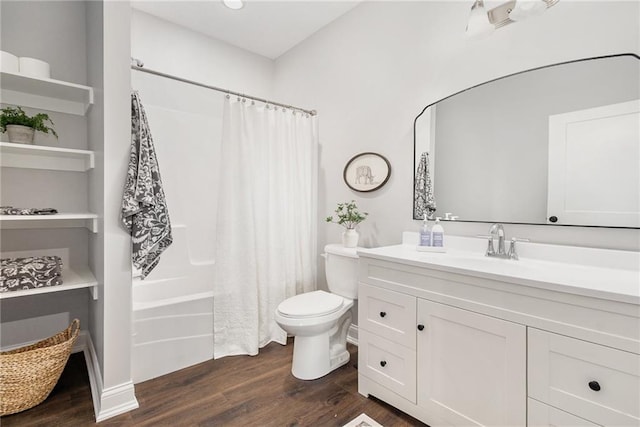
<point>350,238</point>
<point>20,134</point>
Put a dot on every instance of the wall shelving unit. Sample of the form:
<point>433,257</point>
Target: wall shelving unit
<point>48,158</point>
<point>76,278</point>
<point>64,97</point>
<point>46,94</point>
<point>60,220</point>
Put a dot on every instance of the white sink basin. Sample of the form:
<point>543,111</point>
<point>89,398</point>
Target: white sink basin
<point>591,272</point>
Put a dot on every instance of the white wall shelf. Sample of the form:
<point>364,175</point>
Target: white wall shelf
<point>44,157</point>
<point>77,278</point>
<point>60,220</point>
<point>46,94</point>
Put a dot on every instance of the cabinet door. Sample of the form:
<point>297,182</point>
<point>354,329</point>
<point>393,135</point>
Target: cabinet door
<point>471,367</point>
<point>541,415</point>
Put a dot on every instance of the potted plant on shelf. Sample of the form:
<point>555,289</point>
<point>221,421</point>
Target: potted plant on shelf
<point>21,127</point>
<point>348,216</point>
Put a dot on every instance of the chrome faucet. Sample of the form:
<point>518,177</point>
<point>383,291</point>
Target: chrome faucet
<point>496,229</point>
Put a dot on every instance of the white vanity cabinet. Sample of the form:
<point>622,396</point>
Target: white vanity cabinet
<point>455,348</point>
<point>456,365</point>
<point>471,367</point>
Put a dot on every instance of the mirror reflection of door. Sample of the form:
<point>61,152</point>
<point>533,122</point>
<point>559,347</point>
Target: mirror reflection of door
<point>594,166</point>
<point>489,145</point>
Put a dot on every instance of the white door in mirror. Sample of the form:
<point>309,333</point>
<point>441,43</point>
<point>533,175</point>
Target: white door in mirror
<point>594,177</point>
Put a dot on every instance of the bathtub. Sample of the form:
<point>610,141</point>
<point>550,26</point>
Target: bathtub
<point>172,314</point>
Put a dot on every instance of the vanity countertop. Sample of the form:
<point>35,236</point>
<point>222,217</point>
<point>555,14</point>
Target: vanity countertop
<point>611,282</point>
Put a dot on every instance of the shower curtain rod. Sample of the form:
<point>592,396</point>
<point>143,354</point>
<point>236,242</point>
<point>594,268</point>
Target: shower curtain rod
<point>137,67</point>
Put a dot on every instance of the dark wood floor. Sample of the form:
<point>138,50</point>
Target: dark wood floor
<point>232,391</point>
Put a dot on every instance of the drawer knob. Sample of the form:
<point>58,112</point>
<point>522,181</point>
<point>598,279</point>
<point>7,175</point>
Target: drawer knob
<point>421,327</point>
<point>594,385</point>
<point>383,363</point>
<point>383,313</point>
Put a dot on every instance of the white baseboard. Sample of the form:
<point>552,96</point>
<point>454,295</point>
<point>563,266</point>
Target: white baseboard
<point>108,402</point>
<point>352,334</point>
<point>117,400</point>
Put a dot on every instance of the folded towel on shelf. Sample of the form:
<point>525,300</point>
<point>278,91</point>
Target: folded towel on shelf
<point>144,207</point>
<point>30,273</point>
<point>10,210</point>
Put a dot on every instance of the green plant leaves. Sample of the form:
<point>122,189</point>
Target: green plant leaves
<point>348,215</point>
<point>17,116</point>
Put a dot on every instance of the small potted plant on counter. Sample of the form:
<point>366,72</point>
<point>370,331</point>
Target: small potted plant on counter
<point>348,216</point>
<point>21,127</point>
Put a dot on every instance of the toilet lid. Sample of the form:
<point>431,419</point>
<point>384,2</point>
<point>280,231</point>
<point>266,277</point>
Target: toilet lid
<point>310,304</point>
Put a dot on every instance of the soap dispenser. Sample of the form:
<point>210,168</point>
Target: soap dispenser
<point>437,238</point>
<point>425,233</point>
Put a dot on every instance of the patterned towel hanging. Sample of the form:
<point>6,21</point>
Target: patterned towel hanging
<point>144,207</point>
<point>423,201</point>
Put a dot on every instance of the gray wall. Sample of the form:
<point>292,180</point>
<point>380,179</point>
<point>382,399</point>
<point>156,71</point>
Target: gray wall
<point>370,72</point>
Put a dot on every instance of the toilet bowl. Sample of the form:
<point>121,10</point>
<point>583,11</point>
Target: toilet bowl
<point>320,320</point>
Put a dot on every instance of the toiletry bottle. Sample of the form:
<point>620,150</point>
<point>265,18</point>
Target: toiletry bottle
<point>437,234</point>
<point>425,233</point>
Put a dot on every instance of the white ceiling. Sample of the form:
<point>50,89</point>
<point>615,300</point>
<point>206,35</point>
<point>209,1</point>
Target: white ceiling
<point>268,28</point>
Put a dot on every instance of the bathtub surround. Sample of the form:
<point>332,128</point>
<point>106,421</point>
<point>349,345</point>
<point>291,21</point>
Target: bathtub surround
<point>144,207</point>
<point>266,225</point>
<point>173,306</point>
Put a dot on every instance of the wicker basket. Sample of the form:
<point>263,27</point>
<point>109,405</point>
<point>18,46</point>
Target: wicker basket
<point>28,374</point>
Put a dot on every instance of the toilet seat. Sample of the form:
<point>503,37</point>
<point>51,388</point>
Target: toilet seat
<point>310,304</point>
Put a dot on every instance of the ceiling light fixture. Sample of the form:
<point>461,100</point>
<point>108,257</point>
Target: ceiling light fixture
<point>479,25</point>
<point>233,4</point>
<point>504,14</point>
<point>527,8</point>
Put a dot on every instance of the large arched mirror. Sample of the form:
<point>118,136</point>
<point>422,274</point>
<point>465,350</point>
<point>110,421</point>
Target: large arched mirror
<point>554,145</point>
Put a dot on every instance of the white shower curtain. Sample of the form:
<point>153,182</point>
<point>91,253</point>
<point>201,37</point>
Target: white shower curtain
<point>266,226</point>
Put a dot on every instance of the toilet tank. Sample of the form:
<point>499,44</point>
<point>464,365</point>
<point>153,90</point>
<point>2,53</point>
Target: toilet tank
<point>341,268</point>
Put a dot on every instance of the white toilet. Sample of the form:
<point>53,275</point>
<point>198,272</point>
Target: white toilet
<point>320,320</point>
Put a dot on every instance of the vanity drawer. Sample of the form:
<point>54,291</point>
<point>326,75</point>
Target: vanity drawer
<point>390,365</point>
<point>542,415</point>
<point>594,382</point>
<point>389,314</point>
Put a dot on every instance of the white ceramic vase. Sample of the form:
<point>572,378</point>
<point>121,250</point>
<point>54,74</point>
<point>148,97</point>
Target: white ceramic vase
<point>20,134</point>
<point>350,238</point>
